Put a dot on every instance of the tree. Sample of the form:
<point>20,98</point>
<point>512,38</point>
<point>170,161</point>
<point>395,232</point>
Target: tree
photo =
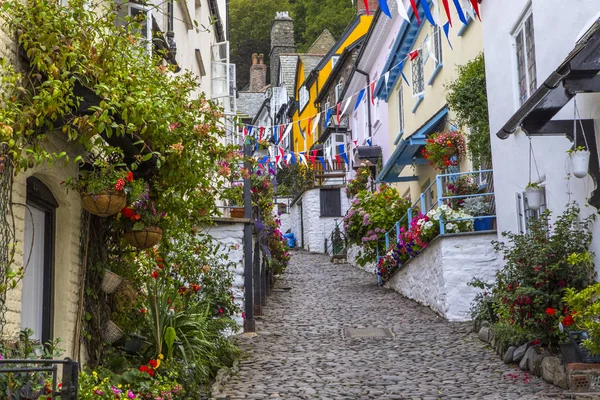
<point>311,18</point>
<point>467,97</point>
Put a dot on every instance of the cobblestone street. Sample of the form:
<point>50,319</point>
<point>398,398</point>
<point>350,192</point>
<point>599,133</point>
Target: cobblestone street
<point>301,353</point>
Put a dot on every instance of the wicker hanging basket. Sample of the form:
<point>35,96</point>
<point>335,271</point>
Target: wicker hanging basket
<point>145,238</point>
<point>111,332</point>
<point>106,203</point>
<point>110,281</point>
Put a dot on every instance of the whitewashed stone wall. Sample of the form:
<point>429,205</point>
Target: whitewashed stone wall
<point>351,256</point>
<point>230,235</point>
<point>438,277</point>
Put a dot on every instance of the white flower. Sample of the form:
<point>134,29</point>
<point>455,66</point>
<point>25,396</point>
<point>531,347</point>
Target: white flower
<point>450,227</point>
<point>428,225</point>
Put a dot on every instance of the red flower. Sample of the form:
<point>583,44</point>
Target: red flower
<point>129,176</point>
<point>568,320</point>
<point>151,372</point>
<point>137,217</point>
<point>153,363</point>
<point>155,274</point>
<point>120,185</point>
<point>221,310</point>
<point>182,290</point>
<point>143,310</point>
<point>535,342</point>
<point>144,368</point>
<point>195,287</point>
<point>550,311</point>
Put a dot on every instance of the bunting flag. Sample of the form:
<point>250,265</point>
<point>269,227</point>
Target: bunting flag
<point>261,132</point>
<point>413,4</point>
<point>367,6</point>
<point>475,5</point>
<point>286,160</point>
<point>436,13</point>
<point>338,160</point>
<point>447,9</point>
<point>355,143</point>
<point>427,13</point>
<point>271,152</point>
<point>328,116</point>
<point>301,131</point>
<point>316,123</point>
<point>369,142</point>
<point>312,160</point>
<point>275,130</point>
<point>430,52</point>
<point>346,106</point>
<point>250,130</point>
<point>343,153</point>
<point>264,160</point>
<point>287,131</point>
<point>402,11</point>
<point>278,161</point>
<point>461,15</point>
<point>359,98</point>
<point>413,54</point>
<point>402,73</point>
<point>302,158</point>
<point>245,131</point>
<point>314,153</point>
<point>468,10</point>
<point>322,159</point>
<point>308,130</point>
<point>338,113</point>
<point>329,158</point>
<point>373,92</point>
<point>282,152</point>
<point>384,8</point>
<point>293,158</point>
<point>447,33</point>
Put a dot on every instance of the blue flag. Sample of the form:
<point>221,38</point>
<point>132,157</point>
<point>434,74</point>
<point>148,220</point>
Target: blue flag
<point>322,159</point>
<point>301,131</point>
<point>359,98</point>
<point>328,116</point>
<point>369,142</point>
<point>384,8</point>
<point>461,14</point>
<point>343,153</point>
<point>447,32</point>
<point>401,67</point>
<point>293,159</point>
<point>275,129</point>
<point>250,130</point>
<point>427,12</point>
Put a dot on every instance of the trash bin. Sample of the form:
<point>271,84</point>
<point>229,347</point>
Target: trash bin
<point>291,239</point>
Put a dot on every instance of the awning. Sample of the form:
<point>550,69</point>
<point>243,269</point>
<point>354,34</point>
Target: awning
<point>408,151</point>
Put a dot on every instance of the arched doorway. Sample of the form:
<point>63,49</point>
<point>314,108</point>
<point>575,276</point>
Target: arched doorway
<point>38,260</point>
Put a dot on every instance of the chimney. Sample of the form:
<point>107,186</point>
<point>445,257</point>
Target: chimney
<point>361,9</point>
<point>258,73</point>
<point>282,41</point>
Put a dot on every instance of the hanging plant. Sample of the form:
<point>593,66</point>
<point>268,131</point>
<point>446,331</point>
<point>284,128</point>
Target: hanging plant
<point>142,222</point>
<point>580,161</point>
<point>533,195</point>
<point>445,149</point>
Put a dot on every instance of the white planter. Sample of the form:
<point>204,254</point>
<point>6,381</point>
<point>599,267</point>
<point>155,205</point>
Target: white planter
<point>534,198</point>
<point>580,161</point>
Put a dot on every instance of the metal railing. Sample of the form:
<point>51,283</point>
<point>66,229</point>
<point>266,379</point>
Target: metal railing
<point>30,378</point>
<point>426,204</point>
<point>336,244</point>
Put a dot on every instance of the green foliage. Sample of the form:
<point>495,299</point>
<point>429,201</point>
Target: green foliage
<point>359,183</point>
<point>294,180</point>
<point>507,335</point>
<point>585,309</point>
<point>311,18</point>
<point>467,97</point>
<point>540,265</point>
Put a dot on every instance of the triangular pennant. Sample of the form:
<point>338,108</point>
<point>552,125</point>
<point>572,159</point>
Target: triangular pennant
<point>314,153</point>
<point>355,142</point>
<point>328,116</point>
<point>282,152</point>
<point>386,77</point>
<point>475,5</point>
<point>348,101</point>
<point>338,160</point>
<point>261,132</point>
<point>430,52</point>
<point>308,130</point>
<point>436,13</point>
<point>447,33</point>
<point>338,112</point>
<point>287,131</point>
<point>402,10</point>
<point>427,13</point>
<point>322,160</point>
<point>343,153</point>
<point>461,15</point>
<point>383,6</point>
<point>369,142</point>
<point>245,131</point>
<point>250,130</point>
<point>293,158</point>
<point>413,54</point>
<point>286,159</point>
<point>413,3</point>
<point>447,9</point>
<point>373,92</point>
<point>402,73</point>
<point>302,158</point>
<point>315,124</point>
<point>278,161</point>
<point>367,6</point>
<point>301,131</point>
<point>359,98</point>
<point>275,131</point>
<point>466,6</point>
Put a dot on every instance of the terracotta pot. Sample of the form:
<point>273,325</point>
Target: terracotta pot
<point>237,212</point>
<point>145,238</point>
<point>106,203</point>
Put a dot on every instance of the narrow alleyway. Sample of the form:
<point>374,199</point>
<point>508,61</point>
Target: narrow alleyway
<point>301,353</point>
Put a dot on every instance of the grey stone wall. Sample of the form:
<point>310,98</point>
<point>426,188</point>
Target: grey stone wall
<point>282,41</point>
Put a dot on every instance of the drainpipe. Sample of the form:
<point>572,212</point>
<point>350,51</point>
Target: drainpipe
<point>368,98</point>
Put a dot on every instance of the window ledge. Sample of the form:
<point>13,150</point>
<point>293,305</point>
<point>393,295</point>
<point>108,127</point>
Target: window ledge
<point>399,137</point>
<point>419,101</point>
<point>464,28</point>
<point>436,71</point>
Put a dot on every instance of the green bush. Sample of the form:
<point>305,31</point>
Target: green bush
<point>584,306</point>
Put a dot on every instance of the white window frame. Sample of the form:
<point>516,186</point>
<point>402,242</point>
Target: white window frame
<point>333,142</point>
<point>366,115</point>
<point>334,61</point>
<point>529,72</point>
<point>401,107</point>
<point>419,61</point>
<point>148,11</point>
<point>303,97</point>
<point>436,37</point>
<point>525,214</point>
<point>338,90</point>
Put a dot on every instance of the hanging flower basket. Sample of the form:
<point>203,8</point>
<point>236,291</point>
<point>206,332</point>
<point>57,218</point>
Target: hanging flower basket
<point>237,212</point>
<point>445,149</point>
<point>533,195</point>
<point>111,332</point>
<point>105,203</point>
<point>110,281</point>
<point>580,160</point>
<point>144,238</point>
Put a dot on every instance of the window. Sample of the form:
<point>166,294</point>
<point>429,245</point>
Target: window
<point>418,79</point>
<point>303,97</point>
<point>331,204</point>
<point>366,115</point>
<point>334,61</point>
<point>525,49</point>
<point>142,16</point>
<point>338,90</point>
<point>401,107</point>
<point>377,114</point>
<point>333,142</point>
<point>526,214</point>
<point>437,46</point>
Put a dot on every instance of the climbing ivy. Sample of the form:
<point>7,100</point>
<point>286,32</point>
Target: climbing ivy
<point>467,97</point>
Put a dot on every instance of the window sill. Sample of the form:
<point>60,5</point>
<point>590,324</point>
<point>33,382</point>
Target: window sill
<point>464,28</point>
<point>419,101</point>
<point>435,74</point>
<point>399,137</point>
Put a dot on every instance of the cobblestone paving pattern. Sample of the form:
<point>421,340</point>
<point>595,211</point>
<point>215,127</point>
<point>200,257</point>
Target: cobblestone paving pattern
<point>299,352</point>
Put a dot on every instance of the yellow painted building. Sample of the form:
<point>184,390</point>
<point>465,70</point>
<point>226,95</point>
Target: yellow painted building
<point>312,73</point>
<point>418,110</point>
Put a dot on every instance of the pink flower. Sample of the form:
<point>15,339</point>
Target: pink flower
<point>130,394</point>
<point>172,127</point>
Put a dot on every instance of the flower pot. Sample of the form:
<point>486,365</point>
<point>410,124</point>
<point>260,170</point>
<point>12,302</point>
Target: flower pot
<point>261,153</point>
<point>145,238</point>
<point>111,332</point>
<point>110,281</point>
<point>580,161</point>
<point>237,212</point>
<point>483,224</point>
<point>534,198</point>
<point>106,203</point>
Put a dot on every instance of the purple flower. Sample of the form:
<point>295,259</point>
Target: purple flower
<point>258,173</point>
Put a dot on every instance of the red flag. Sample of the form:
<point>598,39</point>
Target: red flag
<point>338,112</point>
<point>245,131</point>
<point>475,5</point>
<point>277,158</point>
<point>413,54</point>
<point>309,122</point>
<point>373,92</point>
<point>367,6</point>
<point>413,3</point>
<point>312,160</point>
<point>355,143</point>
<point>281,152</point>
<point>337,158</point>
<point>262,130</point>
<point>314,153</point>
<point>447,8</point>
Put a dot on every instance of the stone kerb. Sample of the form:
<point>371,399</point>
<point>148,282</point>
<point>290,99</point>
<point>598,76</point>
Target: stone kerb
<point>438,276</point>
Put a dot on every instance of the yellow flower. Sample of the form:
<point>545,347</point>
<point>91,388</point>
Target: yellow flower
<point>160,356</point>
<point>95,387</point>
<point>105,380</point>
<point>95,374</point>
<point>157,363</point>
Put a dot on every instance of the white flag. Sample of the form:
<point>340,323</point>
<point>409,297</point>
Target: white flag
<point>436,13</point>
<point>315,124</point>
<point>329,157</point>
<point>287,131</point>
<point>347,105</point>
<point>468,9</point>
<point>402,10</point>
<point>430,51</point>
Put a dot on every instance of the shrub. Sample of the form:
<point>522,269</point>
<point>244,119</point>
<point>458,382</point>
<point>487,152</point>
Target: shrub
<point>584,310</point>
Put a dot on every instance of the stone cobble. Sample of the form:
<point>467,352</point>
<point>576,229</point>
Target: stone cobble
<point>299,351</point>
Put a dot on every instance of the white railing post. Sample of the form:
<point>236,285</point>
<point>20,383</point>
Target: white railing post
<point>440,202</point>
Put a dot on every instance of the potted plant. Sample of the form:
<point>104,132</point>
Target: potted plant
<point>235,197</point>
<point>533,195</point>
<point>263,149</point>
<point>580,160</point>
<point>104,187</point>
<point>478,207</point>
<point>445,149</point>
<point>142,222</point>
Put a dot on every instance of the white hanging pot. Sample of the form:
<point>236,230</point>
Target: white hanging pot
<point>580,161</point>
<point>534,198</point>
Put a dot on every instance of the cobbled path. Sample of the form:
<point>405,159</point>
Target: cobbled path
<point>299,352</point>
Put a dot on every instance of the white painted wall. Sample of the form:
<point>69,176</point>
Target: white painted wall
<point>352,254</point>
<point>438,277</point>
<point>557,23</point>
